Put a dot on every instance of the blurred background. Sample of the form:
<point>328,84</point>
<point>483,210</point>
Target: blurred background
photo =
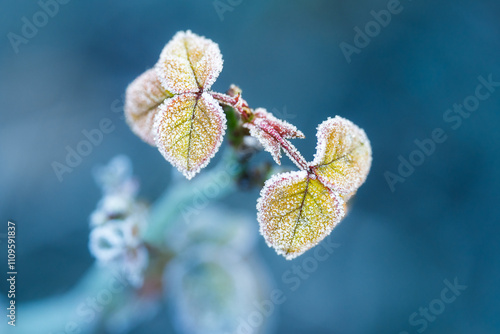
<point>402,243</point>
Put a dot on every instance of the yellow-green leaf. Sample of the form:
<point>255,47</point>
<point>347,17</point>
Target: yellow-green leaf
<point>142,100</point>
<point>189,63</point>
<point>296,211</point>
<point>343,155</point>
<point>189,130</point>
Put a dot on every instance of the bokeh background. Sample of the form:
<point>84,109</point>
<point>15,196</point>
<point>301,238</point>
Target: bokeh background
<point>396,247</point>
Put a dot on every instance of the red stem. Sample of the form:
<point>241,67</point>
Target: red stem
<point>242,107</point>
<point>236,102</point>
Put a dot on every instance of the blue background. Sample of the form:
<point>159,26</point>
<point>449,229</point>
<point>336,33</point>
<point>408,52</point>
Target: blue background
<point>396,248</point>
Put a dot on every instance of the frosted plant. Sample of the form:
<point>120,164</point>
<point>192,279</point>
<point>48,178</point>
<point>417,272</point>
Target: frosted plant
<point>205,267</point>
<point>173,108</point>
<point>298,209</point>
<point>117,222</point>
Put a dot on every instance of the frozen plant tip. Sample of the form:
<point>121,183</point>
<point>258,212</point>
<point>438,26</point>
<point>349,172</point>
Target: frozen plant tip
<point>173,107</point>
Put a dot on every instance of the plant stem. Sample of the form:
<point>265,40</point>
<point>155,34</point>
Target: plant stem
<point>236,102</point>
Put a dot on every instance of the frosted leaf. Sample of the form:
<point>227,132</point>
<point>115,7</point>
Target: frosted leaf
<point>189,130</point>
<point>142,100</point>
<point>285,129</point>
<point>263,120</point>
<point>189,63</point>
<point>343,155</point>
<point>296,212</point>
<point>191,125</point>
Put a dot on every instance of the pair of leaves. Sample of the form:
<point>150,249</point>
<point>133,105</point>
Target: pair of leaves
<point>170,106</point>
<point>297,210</point>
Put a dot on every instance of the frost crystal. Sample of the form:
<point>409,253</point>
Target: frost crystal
<point>343,155</point>
<point>296,212</point>
<point>264,120</point>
